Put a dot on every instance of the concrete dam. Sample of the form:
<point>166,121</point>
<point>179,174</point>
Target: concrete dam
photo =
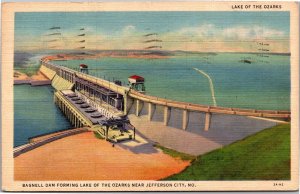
<point>102,106</point>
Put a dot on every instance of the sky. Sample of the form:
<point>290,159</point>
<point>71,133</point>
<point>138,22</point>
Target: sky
<point>188,31</point>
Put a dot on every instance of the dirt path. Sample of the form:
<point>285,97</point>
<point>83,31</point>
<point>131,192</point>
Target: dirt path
<point>83,157</point>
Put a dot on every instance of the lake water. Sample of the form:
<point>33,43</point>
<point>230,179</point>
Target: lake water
<point>263,84</point>
<point>35,113</point>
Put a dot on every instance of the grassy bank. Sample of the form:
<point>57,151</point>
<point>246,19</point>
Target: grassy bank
<point>30,71</point>
<point>175,154</point>
<point>263,156</point>
<point>98,136</point>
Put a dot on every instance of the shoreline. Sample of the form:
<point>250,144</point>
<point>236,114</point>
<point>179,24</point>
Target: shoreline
<point>37,79</point>
<point>23,78</point>
<point>112,54</point>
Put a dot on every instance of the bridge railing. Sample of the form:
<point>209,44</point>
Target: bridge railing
<point>210,109</point>
<point>107,84</point>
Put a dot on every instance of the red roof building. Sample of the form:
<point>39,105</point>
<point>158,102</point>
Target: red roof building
<point>83,66</point>
<point>136,79</point>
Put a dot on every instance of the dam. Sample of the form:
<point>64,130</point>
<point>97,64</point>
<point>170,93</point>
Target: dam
<point>114,111</point>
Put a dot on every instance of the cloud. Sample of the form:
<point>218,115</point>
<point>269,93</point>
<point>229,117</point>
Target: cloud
<point>235,32</point>
<point>210,38</point>
<point>204,38</point>
<point>200,31</point>
<point>128,29</point>
<point>254,32</point>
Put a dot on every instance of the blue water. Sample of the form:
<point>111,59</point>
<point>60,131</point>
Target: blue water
<point>263,84</point>
<point>35,113</point>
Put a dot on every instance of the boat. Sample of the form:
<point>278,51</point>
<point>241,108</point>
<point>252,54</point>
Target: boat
<point>246,61</point>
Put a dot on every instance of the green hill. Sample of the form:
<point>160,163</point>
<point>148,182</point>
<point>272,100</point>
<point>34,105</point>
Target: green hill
<point>262,156</point>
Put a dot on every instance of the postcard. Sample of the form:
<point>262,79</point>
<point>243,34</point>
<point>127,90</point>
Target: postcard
<point>150,96</point>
